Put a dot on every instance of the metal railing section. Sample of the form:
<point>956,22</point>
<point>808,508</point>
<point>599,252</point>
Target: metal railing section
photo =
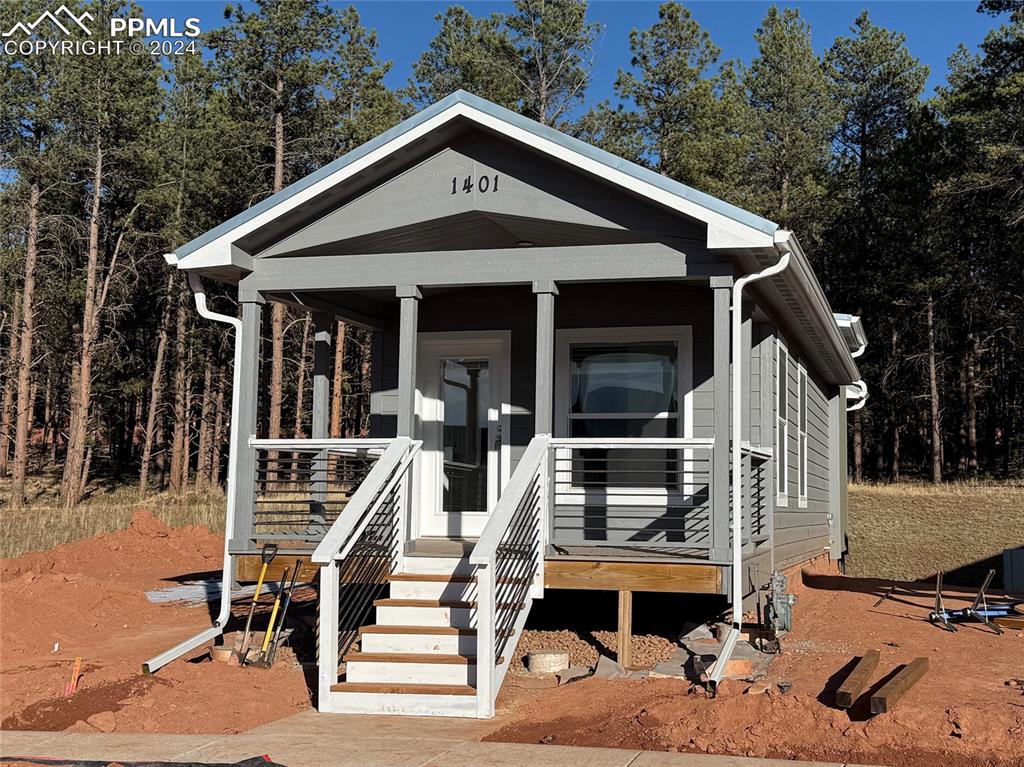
<point>357,554</point>
<point>756,463</point>
<point>650,493</point>
<point>302,486</point>
<point>509,557</point>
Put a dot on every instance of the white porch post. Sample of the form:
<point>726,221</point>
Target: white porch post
<point>409,296</point>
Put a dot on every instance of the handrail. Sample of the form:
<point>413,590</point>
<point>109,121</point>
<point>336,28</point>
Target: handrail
<point>518,484</point>
<point>356,443</point>
<point>646,443</point>
<point>362,501</point>
<point>764,453</point>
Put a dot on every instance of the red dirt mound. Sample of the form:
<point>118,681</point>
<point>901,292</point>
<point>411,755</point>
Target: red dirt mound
<point>88,599</point>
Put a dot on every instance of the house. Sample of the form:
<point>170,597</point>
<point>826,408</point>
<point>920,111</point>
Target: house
<point>578,365</point>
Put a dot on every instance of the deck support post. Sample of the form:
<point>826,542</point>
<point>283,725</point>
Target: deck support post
<point>242,456</point>
<point>544,391</point>
<point>625,639</point>
<point>409,297</point>
<point>721,288</point>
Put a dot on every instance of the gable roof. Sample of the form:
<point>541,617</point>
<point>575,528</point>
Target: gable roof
<point>728,225</point>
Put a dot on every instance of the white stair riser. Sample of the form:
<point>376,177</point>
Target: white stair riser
<point>402,704</point>
<point>453,591</point>
<point>443,644</point>
<point>411,673</point>
<point>457,617</point>
<point>438,566</point>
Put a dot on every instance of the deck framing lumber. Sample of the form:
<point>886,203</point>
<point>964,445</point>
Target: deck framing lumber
<point>886,698</point>
<point>665,577</point>
<point>855,683</point>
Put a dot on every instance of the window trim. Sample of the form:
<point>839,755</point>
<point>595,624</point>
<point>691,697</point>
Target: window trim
<point>781,423</point>
<point>801,434</point>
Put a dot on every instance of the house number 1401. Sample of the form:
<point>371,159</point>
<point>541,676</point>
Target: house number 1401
<point>483,184</point>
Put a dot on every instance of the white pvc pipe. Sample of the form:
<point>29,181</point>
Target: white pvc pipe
<point>782,244</point>
<point>196,284</point>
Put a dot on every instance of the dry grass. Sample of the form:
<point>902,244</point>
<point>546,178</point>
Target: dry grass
<point>909,531</point>
<point>44,523</point>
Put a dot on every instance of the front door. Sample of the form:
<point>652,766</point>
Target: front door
<point>463,384</point>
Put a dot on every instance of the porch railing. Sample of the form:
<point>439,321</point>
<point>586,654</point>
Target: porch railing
<point>509,557</point>
<point>357,554</point>
<point>300,487</point>
<point>756,464</point>
<point>650,493</point>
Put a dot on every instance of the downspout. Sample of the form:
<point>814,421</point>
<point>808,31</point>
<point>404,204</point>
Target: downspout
<point>863,396</point>
<point>736,462</point>
<point>196,284</point>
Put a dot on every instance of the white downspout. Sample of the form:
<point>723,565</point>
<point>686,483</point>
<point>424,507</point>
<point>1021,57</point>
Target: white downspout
<point>863,396</point>
<point>196,284</point>
<point>736,462</point>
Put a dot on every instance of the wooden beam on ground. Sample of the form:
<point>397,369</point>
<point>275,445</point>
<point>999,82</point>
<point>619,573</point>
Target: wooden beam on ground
<point>855,683</point>
<point>626,629</point>
<point>1013,622</point>
<point>887,697</point>
<point>667,577</point>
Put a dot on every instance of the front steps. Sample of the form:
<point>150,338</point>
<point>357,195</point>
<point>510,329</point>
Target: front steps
<point>420,656</point>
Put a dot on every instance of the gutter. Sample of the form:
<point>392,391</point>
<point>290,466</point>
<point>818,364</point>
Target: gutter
<point>783,246</point>
<point>196,284</point>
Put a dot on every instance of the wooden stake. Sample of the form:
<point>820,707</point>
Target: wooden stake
<point>855,683</point>
<point>884,700</point>
<point>625,628</point>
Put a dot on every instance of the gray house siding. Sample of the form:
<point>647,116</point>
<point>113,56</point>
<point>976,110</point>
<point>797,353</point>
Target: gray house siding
<point>801,532</point>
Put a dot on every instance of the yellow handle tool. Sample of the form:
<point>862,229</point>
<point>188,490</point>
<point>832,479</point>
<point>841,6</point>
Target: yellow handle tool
<point>273,614</point>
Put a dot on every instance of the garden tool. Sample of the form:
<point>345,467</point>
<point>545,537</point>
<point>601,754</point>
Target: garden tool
<point>267,556</point>
<point>268,654</point>
<point>273,616</point>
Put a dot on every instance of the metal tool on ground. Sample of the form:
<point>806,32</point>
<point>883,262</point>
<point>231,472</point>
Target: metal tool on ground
<point>980,610</point>
<point>267,556</point>
<point>273,618</point>
<point>269,653</point>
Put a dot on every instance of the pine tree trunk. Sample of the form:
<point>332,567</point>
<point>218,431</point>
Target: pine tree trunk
<point>858,447</point>
<point>205,426</point>
<point>76,462</point>
<point>364,385</point>
<point>156,388</point>
<point>971,404</point>
<point>6,436</point>
<point>218,426</point>
<point>277,314</point>
<point>933,396</point>
<point>180,426</point>
<point>300,395</point>
<point>47,410</point>
<point>338,383</point>
<point>186,443</point>
<point>895,473</point>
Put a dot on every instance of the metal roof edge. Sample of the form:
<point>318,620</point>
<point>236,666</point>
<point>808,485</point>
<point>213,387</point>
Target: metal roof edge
<point>549,133</point>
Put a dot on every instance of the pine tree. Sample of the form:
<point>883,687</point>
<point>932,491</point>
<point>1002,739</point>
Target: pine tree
<point>794,121</point>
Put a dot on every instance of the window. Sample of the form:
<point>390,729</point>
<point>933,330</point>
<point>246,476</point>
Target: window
<point>781,424</point>
<point>801,419</point>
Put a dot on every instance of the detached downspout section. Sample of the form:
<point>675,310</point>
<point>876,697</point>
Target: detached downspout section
<point>196,284</point>
<point>736,467</point>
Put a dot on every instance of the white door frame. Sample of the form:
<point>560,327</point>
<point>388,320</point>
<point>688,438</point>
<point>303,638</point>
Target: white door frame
<point>495,345</point>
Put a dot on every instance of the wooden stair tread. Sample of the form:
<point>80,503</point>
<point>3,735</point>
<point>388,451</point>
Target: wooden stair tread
<point>431,578</point>
<point>404,689</point>
<point>382,629</point>
<point>422,603</point>
<point>408,657</point>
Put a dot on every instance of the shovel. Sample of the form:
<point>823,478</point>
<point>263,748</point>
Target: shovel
<point>267,555</point>
<point>269,652</point>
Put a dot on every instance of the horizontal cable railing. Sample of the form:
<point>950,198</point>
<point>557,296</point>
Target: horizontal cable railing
<point>302,486</point>
<point>358,553</point>
<point>755,466</point>
<point>650,493</point>
<point>509,556</point>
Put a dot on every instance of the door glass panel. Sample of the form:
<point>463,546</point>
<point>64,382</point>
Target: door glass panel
<point>465,392</point>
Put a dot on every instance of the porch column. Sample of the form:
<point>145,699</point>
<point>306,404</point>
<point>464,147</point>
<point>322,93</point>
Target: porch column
<point>544,390</point>
<point>409,297</point>
<point>242,459</point>
<point>721,288</point>
<point>323,324</point>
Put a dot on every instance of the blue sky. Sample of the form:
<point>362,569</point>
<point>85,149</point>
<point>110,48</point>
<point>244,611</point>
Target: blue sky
<point>405,27</point>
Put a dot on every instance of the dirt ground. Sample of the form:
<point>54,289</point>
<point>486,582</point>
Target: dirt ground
<point>88,599</point>
<point>962,713</point>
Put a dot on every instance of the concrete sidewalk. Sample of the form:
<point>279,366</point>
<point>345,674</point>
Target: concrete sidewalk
<point>314,740</point>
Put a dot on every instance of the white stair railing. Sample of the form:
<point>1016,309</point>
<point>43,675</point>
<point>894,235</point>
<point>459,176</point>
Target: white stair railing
<point>358,552</point>
<point>509,557</point>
